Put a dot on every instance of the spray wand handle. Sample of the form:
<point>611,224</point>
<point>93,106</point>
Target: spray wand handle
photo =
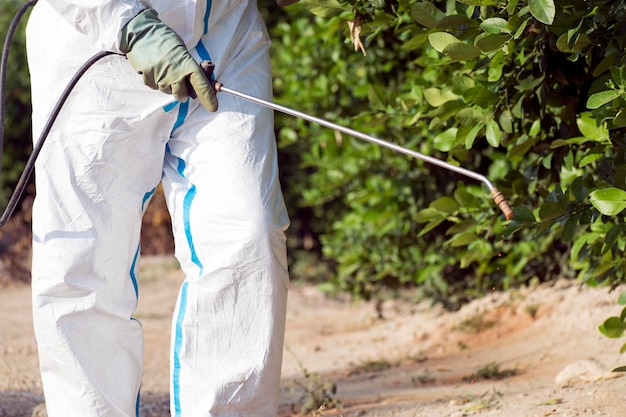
<point>502,203</point>
<point>208,67</point>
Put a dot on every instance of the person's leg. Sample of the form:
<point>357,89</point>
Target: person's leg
<point>94,176</point>
<point>229,224</point>
<point>229,219</point>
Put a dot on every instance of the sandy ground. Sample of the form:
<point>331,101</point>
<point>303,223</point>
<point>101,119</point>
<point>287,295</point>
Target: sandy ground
<point>526,353</point>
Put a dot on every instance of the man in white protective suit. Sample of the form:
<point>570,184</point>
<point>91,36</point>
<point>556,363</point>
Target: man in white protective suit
<point>115,140</point>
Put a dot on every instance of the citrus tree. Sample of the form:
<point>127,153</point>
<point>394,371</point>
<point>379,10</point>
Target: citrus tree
<point>530,93</point>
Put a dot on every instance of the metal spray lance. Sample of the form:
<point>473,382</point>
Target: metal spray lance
<point>496,194</point>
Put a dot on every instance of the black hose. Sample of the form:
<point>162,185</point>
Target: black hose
<point>30,164</point>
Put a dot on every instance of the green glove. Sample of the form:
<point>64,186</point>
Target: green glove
<point>157,53</point>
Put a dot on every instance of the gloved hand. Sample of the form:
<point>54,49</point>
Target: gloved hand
<point>157,53</point>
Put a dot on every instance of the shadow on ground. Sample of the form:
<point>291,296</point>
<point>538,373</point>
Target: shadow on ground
<point>18,404</point>
<point>26,404</point>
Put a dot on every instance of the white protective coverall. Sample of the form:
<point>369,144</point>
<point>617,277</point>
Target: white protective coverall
<point>114,141</point>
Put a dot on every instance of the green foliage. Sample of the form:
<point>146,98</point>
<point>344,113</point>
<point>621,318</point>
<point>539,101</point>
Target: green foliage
<point>530,93</point>
<point>615,326</point>
<point>17,137</point>
<point>316,393</point>
<point>491,371</point>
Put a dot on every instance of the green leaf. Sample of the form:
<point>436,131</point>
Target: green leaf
<point>456,21</point>
<point>436,97</point>
<point>427,14</point>
<point>582,43</point>
<point>462,239</point>
<point>445,140</point>
<point>488,42</point>
<point>600,99</point>
<point>323,8</point>
<point>461,51</point>
<point>608,201</point>
<point>589,128</point>
<point>535,128</point>
<point>621,300</point>
<point>619,76</point>
<point>462,84</point>
<point>495,25</point>
<point>445,204</point>
<point>440,40</point>
<point>521,29</point>
<point>479,2</point>
<point>521,148</point>
<point>613,327</point>
<point>589,159</point>
<point>427,215</point>
<point>461,227</point>
<point>376,97</point>
<point>620,119</point>
<point>506,121</point>
<point>605,64</point>
<point>569,228</point>
<point>464,198</point>
<point>578,189</point>
<point>493,133</point>
<point>531,82</point>
<point>577,246</point>
<point>469,135</point>
<point>611,236</point>
<point>621,368</point>
<point>481,96</point>
<point>511,6</point>
<point>469,116</point>
<point>430,226</point>
<point>523,214</point>
<point>287,136</point>
<point>550,210</point>
<point>542,10</point>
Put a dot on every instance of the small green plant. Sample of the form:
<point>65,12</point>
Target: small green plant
<point>614,327</point>
<point>491,371</point>
<point>420,357</point>
<point>532,309</point>
<point>488,400</point>
<point>371,366</point>
<point>424,378</point>
<point>476,323</point>
<point>318,394</point>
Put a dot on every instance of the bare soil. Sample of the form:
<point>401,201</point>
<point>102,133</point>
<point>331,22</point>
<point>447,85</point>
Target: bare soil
<point>532,352</point>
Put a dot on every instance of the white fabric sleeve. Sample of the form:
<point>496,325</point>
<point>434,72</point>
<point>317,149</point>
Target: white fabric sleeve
<point>100,20</point>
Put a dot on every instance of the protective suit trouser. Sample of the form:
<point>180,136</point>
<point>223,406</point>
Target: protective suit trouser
<point>113,142</point>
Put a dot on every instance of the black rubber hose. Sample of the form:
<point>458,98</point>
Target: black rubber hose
<point>30,164</point>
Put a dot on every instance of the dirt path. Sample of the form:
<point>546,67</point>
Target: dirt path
<point>417,361</point>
